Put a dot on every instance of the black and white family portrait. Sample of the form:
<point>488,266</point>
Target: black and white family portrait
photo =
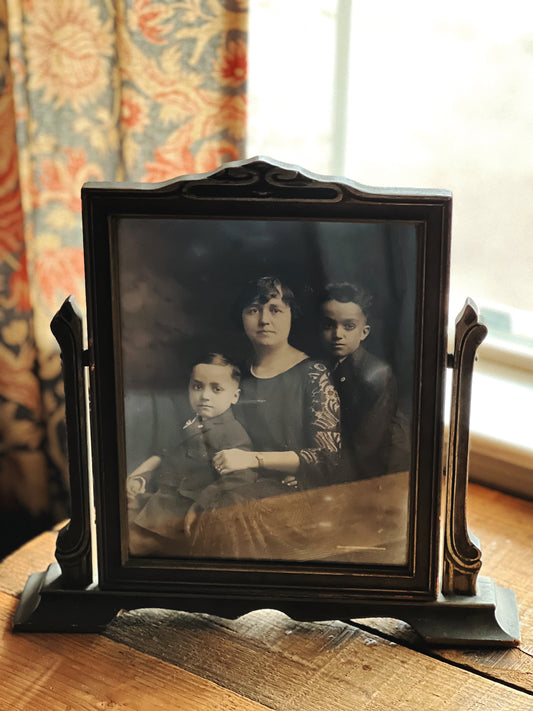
<point>268,375</point>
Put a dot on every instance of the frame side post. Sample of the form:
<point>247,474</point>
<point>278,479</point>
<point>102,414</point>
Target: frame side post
<point>73,547</point>
<point>462,555</point>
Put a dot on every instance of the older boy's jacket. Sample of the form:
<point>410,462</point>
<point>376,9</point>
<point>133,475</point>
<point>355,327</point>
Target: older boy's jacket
<point>369,399</point>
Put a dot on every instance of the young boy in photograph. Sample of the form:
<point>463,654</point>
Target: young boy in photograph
<point>164,503</point>
<point>366,386</point>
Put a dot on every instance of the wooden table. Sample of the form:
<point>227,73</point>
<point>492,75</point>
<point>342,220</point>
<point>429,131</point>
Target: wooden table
<point>162,660</point>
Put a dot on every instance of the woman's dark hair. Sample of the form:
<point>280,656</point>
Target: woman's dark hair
<point>262,290</point>
<point>346,292</point>
<point>219,359</point>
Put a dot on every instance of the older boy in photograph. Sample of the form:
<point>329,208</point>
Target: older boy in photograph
<point>366,385</point>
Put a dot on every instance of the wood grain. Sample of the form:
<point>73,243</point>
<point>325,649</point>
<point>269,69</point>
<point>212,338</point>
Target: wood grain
<point>265,658</point>
<point>32,557</point>
<point>294,666</point>
<point>49,672</point>
<point>504,525</point>
<point>151,659</point>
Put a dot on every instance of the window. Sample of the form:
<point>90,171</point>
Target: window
<point>419,94</point>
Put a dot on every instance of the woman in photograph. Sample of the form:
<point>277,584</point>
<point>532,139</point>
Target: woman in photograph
<point>289,405</point>
<point>290,409</point>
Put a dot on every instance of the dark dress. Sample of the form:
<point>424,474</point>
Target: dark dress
<point>297,411</point>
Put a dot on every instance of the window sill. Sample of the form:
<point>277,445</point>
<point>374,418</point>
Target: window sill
<point>501,419</point>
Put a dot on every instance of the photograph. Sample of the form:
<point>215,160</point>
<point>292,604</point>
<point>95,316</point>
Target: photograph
<point>268,379</point>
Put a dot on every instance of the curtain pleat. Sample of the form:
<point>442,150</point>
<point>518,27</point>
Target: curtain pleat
<point>141,90</point>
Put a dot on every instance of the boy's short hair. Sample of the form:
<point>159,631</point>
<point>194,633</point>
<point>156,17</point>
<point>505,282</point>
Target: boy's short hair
<point>345,292</point>
<point>219,359</point>
<point>264,289</point>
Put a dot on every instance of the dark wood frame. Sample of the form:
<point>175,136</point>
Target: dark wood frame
<point>264,189</point>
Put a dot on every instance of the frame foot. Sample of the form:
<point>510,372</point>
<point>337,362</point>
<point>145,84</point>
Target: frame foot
<point>488,618</point>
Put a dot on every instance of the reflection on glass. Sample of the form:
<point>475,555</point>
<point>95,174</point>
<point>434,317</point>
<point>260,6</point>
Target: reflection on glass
<point>268,379</point>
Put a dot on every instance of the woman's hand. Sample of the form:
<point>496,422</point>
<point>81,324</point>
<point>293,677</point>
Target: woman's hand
<point>233,460</point>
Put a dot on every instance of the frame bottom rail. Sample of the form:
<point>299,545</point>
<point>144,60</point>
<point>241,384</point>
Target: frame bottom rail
<point>488,618</point>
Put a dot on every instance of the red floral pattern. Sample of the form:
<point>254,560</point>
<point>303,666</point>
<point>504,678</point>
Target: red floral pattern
<point>59,272</point>
<point>151,19</point>
<point>234,63</point>
<point>143,90</point>
<point>11,231</point>
<point>68,49</point>
<point>63,176</point>
<point>19,286</point>
<point>18,383</point>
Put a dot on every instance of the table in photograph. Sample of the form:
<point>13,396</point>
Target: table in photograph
<point>159,660</point>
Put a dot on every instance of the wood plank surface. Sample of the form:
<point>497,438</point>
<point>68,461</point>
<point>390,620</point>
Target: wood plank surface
<point>264,657</point>
<point>295,666</point>
<point>32,557</point>
<point>504,525</point>
<point>272,660</point>
<point>56,672</point>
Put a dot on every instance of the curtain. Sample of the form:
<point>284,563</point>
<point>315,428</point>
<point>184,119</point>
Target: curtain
<point>90,90</point>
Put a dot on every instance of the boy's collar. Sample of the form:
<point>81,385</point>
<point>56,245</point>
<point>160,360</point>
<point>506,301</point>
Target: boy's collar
<point>354,356</point>
<point>205,421</point>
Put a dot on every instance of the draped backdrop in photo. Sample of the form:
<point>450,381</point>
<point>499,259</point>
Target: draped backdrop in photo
<point>141,90</point>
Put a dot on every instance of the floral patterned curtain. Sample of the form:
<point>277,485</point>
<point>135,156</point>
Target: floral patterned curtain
<point>90,90</point>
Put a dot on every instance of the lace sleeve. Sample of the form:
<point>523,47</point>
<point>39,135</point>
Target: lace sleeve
<point>319,461</point>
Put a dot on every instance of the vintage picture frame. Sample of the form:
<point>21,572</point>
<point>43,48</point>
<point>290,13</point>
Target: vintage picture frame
<point>313,519</point>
